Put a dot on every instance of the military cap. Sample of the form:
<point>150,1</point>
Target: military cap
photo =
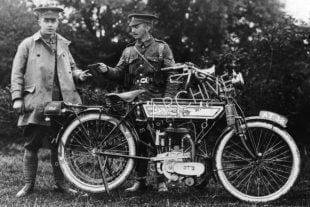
<point>139,18</point>
<point>49,10</point>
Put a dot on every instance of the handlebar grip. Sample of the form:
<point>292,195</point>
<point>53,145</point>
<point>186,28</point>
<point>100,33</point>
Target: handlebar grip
<point>177,67</point>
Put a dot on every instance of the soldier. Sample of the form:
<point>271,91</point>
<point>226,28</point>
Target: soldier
<point>139,68</point>
<point>43,71</point>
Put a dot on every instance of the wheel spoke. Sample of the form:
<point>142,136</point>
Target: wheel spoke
<point>264,183</point>
<point>247,175</point>
<point>272,178</point>
<point>237,145</point>
<point>277,175</point>
<point>83,138</point>
<point>236,157</point>
<point>280,165</point>
<point>270,140</point>
<point>280,155</point>
<point>277,170</point>
<point>239,174</point>
<point>274,149</point>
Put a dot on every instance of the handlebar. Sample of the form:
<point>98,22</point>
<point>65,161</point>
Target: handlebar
<point>176,67</point>
<point>189,69</point>
<point>199,73</point>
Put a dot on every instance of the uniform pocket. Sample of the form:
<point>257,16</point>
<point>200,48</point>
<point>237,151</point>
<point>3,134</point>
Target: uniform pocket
<point>131,60</point>
<point>153,59</point>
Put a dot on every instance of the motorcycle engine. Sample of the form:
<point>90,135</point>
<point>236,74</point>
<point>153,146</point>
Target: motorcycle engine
<point>176,160</point>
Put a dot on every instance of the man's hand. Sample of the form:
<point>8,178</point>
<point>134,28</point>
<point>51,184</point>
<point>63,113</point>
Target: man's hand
<point>103,68</point>
<point>84,75</point>
<point>98,68</point>
<point>18,106</point>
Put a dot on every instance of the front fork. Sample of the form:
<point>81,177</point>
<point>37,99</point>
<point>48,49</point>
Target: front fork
<point>242,133</point>
<point>237,122</point>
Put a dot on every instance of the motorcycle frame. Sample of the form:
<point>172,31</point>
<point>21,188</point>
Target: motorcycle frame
<point>203,87</point>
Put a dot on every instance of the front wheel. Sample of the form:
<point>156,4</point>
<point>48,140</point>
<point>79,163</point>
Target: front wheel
<point>259,167</point>
<point>78,160</point>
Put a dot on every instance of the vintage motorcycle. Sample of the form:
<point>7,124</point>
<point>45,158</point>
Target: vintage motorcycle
<point>255,158</point>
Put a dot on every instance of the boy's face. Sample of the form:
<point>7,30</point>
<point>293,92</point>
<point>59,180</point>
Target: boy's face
<point>139,31</point>
<point>48,25</point>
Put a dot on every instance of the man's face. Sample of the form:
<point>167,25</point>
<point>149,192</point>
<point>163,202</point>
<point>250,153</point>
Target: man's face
<point>48,25</point>
<point>139,31</point>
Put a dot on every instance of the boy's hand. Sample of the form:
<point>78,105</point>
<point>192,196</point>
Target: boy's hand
<point>18,106</point>
<point>84,75</point>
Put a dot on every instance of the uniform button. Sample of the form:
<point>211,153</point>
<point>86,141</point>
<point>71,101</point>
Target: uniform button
<point>141,74</point>
<point>38,55</point>
<point>141,65</point>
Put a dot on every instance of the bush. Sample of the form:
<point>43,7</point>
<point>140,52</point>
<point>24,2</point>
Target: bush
<point>8,118</point>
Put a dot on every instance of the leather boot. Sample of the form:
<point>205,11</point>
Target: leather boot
<point>63,188</point>
<point>137,186</point>
<point>30,165</point>
<point>60,185</point>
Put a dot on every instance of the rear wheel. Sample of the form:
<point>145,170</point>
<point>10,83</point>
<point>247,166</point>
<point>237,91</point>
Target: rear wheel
<point>78,160</point>
<point>261,167</point>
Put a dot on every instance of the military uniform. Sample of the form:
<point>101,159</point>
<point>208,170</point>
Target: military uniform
<point>140,68</point>
<point>138,73</point>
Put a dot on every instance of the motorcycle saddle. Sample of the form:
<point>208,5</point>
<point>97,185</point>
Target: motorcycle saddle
<point>126,96</point>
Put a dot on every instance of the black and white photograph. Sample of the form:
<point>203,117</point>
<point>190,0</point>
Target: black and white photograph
<point>154,103</point>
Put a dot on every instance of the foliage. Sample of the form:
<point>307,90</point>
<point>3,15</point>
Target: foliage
<point>275,62</point>
<point>16,23</point>
<point>254,37</point>
<point>7,118</point>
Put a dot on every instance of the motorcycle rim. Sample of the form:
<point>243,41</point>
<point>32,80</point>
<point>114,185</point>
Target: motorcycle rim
<point>266,177</point>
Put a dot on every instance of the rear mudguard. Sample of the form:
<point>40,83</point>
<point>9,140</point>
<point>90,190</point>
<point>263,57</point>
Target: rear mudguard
<point>228,129</point>
<point>72,117</point>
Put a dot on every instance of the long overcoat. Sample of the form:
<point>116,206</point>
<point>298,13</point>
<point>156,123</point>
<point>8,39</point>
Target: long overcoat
<point>32,76</point>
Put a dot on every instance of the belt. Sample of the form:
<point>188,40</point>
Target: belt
<point>144,80</point>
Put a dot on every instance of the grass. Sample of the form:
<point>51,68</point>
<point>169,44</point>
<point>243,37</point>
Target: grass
<point>11,180</point>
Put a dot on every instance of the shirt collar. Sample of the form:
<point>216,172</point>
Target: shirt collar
<point>146,43</point>
<point>38,36</point>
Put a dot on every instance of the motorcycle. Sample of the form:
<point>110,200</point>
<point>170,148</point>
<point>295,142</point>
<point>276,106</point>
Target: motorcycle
<point>254,158</point>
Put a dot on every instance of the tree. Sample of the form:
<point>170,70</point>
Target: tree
<point>254,37</point>
<point>16,23</point>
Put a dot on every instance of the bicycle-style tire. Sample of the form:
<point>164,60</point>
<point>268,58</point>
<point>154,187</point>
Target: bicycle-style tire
<point>79,163</point>
<point>263,178</point>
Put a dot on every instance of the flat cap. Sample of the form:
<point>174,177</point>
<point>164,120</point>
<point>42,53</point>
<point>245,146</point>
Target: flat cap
<point>138,18</point>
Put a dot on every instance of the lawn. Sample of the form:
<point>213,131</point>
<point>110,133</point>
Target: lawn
<point>11,179</point>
